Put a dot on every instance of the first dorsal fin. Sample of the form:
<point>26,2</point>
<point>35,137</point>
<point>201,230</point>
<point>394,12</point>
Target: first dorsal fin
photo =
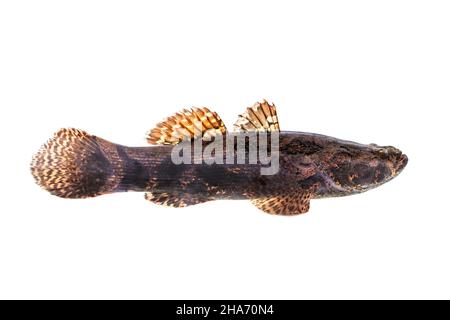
<point>262,116</point>
<point>190,124</point>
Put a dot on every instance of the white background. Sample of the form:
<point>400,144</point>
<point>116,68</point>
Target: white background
<point>369,71</point>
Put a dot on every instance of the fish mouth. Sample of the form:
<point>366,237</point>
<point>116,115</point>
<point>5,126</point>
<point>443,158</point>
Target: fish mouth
<point>401,163</point>
<point>397,159</point>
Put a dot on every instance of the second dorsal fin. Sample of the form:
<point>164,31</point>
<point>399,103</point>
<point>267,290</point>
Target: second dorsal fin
<point>262,116</point>
<point>191,124</point>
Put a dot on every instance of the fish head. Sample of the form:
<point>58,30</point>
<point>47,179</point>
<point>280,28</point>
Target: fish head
<point>355,167</point>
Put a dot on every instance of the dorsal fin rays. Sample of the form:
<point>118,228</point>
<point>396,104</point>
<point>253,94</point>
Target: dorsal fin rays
<point>262,116</point>
<point>187,124</point>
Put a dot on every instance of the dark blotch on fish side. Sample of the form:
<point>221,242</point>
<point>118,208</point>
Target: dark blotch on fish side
<point>96,170</point>
<point>135,173</point>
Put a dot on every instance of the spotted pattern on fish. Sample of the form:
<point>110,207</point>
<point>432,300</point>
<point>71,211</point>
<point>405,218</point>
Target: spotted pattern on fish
<point>75,164</point>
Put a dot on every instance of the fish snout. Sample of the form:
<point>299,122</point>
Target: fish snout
<point>388,153</point>
<point>401,163</point>
<point>398,159</point>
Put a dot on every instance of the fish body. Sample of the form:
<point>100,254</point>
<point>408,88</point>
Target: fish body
<point>75,164</point>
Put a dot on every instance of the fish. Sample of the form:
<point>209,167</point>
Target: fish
<point>295,167</point>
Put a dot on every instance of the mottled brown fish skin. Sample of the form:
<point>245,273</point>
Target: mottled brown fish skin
<point>330,166</point>
<point>76,165</point>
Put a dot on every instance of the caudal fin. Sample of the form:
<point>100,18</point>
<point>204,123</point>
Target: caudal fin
<point>72,165</point>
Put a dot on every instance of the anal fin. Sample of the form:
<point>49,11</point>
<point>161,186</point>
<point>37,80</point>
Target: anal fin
<point>175,199</point>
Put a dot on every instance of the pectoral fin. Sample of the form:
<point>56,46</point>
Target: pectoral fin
<point>289,204</point>
<point>187,124</point>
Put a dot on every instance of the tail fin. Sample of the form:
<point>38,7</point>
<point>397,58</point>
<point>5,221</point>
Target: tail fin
<point>72,165</point>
